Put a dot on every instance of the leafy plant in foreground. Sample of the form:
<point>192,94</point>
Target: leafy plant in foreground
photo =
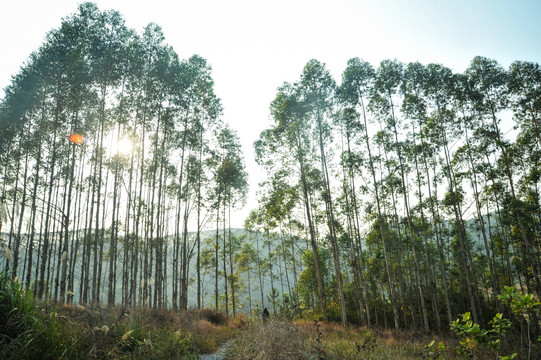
<point>524,307</point>
<point>432,352</point>
<point>473,334</point>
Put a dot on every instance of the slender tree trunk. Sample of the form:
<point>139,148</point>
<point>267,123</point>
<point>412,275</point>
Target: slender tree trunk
<point>260,275</point>
<point>45,249</point>
<point>390,278</point>
<point>37,167</point>
<point>216,258</point>
<point>224,267</point>
<point>21,217</point>
<point>330,222</point>
<point>319,279</point>
<point>231,272</point>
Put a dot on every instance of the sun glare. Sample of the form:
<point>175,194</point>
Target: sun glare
<point>123,147</point>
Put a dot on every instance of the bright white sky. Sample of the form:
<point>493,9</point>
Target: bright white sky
<point>255,45</point>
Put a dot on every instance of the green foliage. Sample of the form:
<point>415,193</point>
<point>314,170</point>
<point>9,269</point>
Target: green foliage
<point>27,332</point>
<point>433,352</point>
<point>520,303</point>
<point>307,282</point>
<point>319,348</point>
<point>473,334</point>
<point>161,344</point>
<point>32,330</point>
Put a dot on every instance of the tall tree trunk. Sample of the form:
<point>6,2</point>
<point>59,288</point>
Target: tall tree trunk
<point>313,242</point>
<point>381,220</point>
<point>45,248</point>
<point>330,222</point>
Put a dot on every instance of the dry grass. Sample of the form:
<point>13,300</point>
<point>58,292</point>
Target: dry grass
<point>208,329</point>
<point>239,322</point>
<point>273,339</point>
<point>45,330</point>
<point>326,340</point>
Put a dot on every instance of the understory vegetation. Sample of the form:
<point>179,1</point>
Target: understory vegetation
<point>315,340</point>
<point>44,330</point>
<point>33,329</point>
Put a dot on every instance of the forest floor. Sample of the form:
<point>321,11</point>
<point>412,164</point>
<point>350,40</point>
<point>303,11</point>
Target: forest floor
<point>316,340</point>
<point>30,329</point>
<point>302,339</point>
<point>77,332</point>
<point>220,354</point>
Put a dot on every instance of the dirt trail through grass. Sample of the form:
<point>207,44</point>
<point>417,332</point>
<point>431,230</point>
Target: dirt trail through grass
<point>218,355</point>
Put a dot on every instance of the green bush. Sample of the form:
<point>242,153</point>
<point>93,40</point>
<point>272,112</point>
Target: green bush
<point>27,333</point>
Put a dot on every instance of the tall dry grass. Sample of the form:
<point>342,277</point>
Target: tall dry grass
<point>30,329</point>
<point>208,328</point>
<point>273,339</point>
<point>276,339</point>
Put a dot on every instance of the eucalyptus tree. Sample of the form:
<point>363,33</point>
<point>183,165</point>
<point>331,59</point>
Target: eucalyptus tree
<point>278,199</point>
<point>387,81</point>
<point>524,83</point>
<point>107,58</point>
<point>20,111</point>
<point>468,160</point>
<point>414,107</point>
<point>54,101</point>
<point>65,69</point>
<point>282,201</point>
<point>15,208</point>
<point>207,109</point>
<point>201,109</point>
<point>266,223</point>
<point>441,129</point>
<point>489,96</point>
<point>230,187</point>
<point>163,115</point>
<point>357,80</point>
<point>347,121</point>
<point>245,259</point>
<point>154,116</point>
<point>291,130</point>
<point>250,225</point>
<point>317,90</point>
<point>108,66</point>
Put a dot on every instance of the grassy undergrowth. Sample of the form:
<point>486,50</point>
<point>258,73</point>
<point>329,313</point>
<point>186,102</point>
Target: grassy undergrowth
<point>276,339</point>
<point>303,339</point>
<point>42,330</point>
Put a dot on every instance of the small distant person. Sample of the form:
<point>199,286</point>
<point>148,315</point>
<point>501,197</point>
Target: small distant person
<point>265,314</point>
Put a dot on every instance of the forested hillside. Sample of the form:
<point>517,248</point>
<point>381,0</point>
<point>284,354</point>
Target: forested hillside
<point>383,171</point>
<point>398,196</point>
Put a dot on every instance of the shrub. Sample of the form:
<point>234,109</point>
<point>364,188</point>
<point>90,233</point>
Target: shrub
<point>215,317</point>
<point>271,340</point>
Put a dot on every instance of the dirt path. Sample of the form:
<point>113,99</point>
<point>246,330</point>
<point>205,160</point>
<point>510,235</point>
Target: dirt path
<point>218,355</point>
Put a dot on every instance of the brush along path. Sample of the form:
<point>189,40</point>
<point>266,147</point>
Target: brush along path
<point>220,354</point>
